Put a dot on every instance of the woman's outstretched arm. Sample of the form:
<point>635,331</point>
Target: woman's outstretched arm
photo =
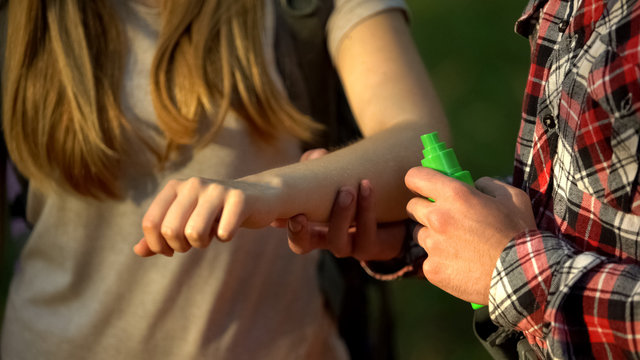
<point>393,102</point>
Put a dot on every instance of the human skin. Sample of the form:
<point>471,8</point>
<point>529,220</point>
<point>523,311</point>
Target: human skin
<point>465,229</point>
<point>392,100</point>
<point>351,231</point>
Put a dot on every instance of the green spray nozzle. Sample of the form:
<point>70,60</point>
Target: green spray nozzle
<point>438,157</point>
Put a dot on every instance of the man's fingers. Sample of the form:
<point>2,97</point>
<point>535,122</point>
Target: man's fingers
<point>431,184</point>
<point>420,235</point>
<point>516,201</point>
<point>507,195</point>
<point>418,209</point>
<point>493,187</point>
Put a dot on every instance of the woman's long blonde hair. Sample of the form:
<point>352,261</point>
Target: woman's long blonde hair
<point>63,71</point>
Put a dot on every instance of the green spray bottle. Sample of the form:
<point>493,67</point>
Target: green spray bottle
<point>438,157</point>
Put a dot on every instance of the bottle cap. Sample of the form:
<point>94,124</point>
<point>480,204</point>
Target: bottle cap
<point>437,156</point>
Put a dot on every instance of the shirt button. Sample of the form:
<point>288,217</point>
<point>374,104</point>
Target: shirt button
<point>549,121</point>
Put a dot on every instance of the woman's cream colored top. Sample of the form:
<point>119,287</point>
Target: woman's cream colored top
<point>79,291</point>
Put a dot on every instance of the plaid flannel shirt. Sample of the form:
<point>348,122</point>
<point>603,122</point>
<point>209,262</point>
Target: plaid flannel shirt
<point>573,286</point>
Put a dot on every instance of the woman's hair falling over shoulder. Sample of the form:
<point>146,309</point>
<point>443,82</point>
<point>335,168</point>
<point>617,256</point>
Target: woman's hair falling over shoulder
<point>62,75</point>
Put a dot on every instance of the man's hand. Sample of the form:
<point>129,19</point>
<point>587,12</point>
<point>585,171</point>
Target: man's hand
<point>465,229</point>
<point>352,230</point>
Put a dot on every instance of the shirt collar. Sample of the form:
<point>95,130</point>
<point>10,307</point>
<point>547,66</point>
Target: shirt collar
<point>526,23</point>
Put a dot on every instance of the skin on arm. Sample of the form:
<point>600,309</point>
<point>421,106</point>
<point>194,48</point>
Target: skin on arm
<point>352,230</point>
<point>369,240</point>
<point>393,102</point>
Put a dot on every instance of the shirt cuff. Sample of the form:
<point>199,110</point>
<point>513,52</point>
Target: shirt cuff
<point>531,270</point>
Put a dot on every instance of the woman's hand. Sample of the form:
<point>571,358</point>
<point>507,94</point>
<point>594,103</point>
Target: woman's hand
<point>192,212</point>
<point>465,230</point>
<point>352,230</point>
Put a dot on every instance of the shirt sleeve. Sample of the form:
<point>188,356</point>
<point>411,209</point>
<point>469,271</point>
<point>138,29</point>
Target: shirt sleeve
<point>348,13</point>
<point>572,304</point>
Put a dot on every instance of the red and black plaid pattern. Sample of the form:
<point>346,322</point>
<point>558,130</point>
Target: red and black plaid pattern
<point>573,286</point>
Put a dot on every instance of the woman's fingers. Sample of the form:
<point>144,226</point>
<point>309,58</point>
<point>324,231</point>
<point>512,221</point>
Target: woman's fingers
<point>202,225</point>
<point>185,214</point>
<point>152,221</point>
<point>342,215</point>
<point>232,214</point>
<point>366,224</point>
<point>176,217</point>
<point>299,234</point>
<point>142,249</point>
<point>190,213</point>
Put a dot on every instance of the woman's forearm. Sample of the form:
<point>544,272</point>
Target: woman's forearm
<point>393,101</point>
<point>310,187</point>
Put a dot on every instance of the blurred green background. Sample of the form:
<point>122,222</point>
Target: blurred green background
<point>478,65</point>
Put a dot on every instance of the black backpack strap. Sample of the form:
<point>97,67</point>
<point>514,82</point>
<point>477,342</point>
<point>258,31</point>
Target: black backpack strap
<point>304,63</point>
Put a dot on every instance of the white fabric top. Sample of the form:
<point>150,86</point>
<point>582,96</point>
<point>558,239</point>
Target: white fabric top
<point>79,291</point>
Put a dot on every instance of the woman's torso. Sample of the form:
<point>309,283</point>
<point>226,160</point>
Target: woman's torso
<point>80,292</point>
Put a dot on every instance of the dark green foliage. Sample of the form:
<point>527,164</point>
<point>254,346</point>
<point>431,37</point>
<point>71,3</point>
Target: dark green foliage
<point>479,67</point>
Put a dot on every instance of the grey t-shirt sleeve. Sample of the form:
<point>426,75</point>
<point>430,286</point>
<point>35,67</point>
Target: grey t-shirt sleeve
<point>348,13</point>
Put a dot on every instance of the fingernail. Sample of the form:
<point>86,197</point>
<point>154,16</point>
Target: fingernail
<point>345,198</point>
<point>295,225</point>
<point>365,188</point>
